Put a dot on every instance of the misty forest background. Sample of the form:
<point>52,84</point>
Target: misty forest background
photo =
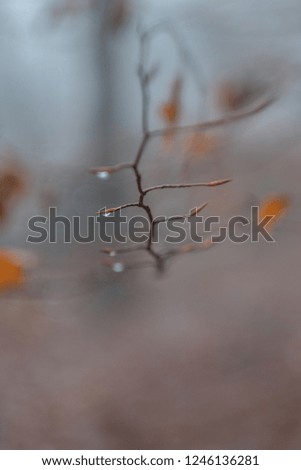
<point>208,354</point>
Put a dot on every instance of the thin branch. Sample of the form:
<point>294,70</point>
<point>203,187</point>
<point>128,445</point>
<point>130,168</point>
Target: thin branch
<point>112,210</point>
<point>192,213</point>
<point>144,81</point>
<point>209,124</point>
<point>186,185</point>
<point>181,129</point>
<point>141,150</point>
<point>110,169</point>
<point>184,53</point>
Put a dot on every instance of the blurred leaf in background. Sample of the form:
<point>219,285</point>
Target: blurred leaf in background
<point>276,207</point>
<point>11,271</point>
<point>12,184</point>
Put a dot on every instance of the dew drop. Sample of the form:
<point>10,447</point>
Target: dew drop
<point>103,175</point>
<point>118,267</point>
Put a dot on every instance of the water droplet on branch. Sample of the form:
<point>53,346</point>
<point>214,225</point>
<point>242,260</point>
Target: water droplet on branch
<point>103,175</point>
<point>118,267</point>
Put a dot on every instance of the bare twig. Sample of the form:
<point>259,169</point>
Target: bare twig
<point>192,213</point>
<point>112,210</point>
<point>187,185</point>
<point>215,123</point>
<point>147,135</point>
<point>110,169</point>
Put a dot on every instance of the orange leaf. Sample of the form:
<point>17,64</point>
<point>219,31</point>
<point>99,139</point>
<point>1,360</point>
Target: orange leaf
<point>170,110</point>
<point>199,144</point>
<point>275,207</point>
<point>11,271</point>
